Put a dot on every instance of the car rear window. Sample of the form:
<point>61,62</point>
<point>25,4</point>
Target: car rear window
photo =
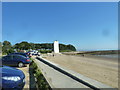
<point>19,56</point>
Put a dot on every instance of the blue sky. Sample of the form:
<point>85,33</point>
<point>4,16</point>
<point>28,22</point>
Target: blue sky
<point>86,25</point>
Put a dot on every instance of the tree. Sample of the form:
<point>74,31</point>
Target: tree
<point>23,45</point>
<point>7,47</point>
<point>16,46</point>
<point>0,48</point>
<point>71,47</point>
<point>65,48</point>
<point>43,46</point>
<point>37,46</point>
<point>32,46</point>
<point>0,44</point>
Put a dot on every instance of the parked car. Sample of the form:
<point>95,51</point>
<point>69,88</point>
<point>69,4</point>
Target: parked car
<point>15,60</point>
<point>29,54</point>
<point>11,78</point>
<point>19,53</point>
<point>35,53</point>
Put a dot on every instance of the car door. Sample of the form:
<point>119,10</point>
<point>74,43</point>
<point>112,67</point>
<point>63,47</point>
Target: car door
<point>15,59</point>
<point>4,62</point>
<point>7,60</point>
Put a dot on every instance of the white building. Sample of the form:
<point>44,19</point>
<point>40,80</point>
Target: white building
<point>56,47</point>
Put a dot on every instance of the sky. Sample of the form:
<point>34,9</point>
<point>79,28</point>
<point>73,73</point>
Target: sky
<point>86,25</point>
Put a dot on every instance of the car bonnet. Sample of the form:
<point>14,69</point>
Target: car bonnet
<point>9,71</point>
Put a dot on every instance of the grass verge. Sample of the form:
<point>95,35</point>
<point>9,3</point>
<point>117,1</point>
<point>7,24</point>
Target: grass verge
<point>40,79</point>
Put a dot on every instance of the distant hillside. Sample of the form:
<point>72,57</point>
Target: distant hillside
<point>45,46</point>
<point>7,47</point>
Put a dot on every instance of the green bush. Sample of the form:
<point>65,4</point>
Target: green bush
<point>65,50</point>
<point>41,81</point>
<point>6,52</point>
<point>45,51</point>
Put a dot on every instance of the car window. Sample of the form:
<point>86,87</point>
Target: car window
<point>3,58</point>
<point>8,57</point>
<point>18,57</point>
<point>22,56</point>
<point>15,57</point>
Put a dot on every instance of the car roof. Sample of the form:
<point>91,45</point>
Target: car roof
<point>19,54</point>
<point>16,55</point>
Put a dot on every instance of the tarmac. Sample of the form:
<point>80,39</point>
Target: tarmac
<point>99,69</point>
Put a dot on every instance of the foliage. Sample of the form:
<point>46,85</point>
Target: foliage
<point>7,47</point>
<point>45,51</point>
<point>22,46</point>
<point>0,46</point>
<point>65,51</point>
<point>43,47</point>
<point>41,81</point>
<point>67,48</point>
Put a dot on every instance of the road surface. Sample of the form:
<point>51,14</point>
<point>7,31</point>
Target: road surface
<point>102,70</point>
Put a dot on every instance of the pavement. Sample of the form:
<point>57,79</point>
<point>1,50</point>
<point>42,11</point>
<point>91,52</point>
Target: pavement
<point>30,82</point>
<point>27,80</point>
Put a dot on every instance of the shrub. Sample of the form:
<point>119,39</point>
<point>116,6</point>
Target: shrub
<point>41,81</point>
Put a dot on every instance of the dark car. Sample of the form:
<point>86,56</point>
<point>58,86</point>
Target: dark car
<point>15,60</point>
<point>11,78</point>
<point>19,53</point>
<point>29,54</point>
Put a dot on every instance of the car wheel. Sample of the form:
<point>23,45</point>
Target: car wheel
<point>20,64</point>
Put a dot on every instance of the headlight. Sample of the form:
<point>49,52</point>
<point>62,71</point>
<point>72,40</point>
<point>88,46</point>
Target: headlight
<point>14,78</point>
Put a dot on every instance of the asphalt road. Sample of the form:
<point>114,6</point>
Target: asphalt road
<point>102,70</point>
